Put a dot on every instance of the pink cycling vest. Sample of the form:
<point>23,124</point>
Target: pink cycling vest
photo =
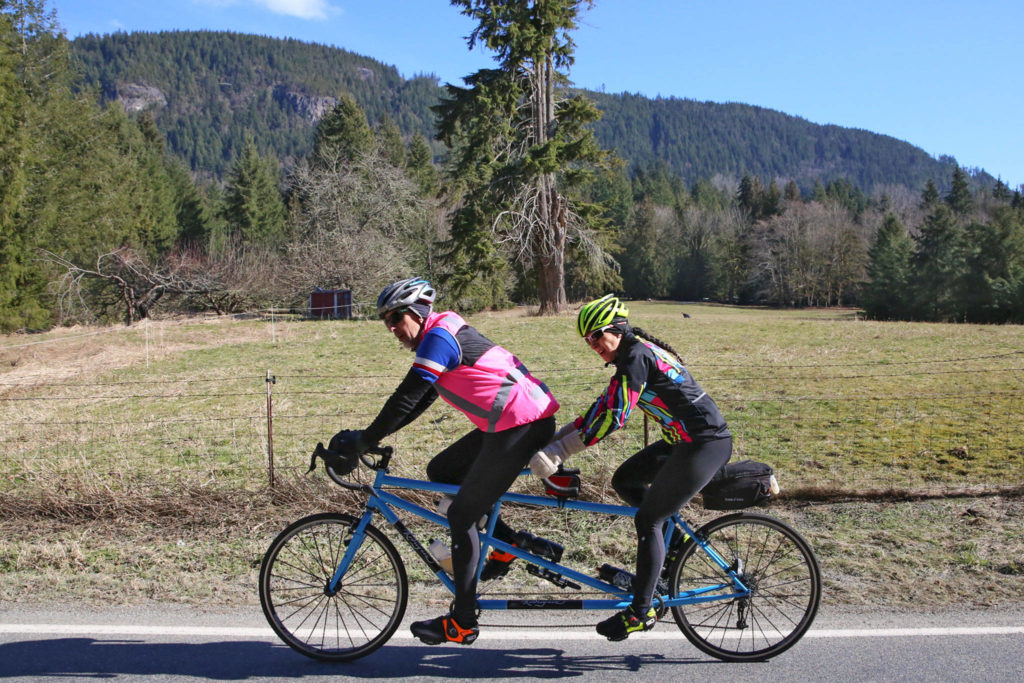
<point>497,392</point>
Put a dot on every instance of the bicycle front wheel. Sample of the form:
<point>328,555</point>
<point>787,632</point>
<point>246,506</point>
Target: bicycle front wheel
<point>342,625</point>
<point>774,562</point>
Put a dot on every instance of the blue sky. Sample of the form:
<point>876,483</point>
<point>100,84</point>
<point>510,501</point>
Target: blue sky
<point>941,74</point>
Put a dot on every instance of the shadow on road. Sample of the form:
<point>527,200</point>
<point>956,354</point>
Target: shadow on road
<point>81,657</point>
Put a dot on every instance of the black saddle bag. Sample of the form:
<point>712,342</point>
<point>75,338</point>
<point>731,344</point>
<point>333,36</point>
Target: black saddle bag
<point>739,485</point>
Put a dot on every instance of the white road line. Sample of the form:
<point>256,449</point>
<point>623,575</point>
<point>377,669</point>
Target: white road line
<point>488,634</point>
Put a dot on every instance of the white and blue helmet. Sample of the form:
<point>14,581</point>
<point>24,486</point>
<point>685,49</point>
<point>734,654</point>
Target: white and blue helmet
<point>413,293</point>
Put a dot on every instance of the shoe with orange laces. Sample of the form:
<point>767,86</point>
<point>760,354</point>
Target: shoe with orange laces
<point>444,630</point>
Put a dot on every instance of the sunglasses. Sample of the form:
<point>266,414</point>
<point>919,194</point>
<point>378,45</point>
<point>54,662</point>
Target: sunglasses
<point>597,334</point>
<point>394,317</point>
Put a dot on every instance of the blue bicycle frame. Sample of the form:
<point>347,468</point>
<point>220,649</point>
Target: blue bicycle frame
<point>382,502</point>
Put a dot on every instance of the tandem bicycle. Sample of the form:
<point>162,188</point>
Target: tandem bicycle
<point>742,587</point>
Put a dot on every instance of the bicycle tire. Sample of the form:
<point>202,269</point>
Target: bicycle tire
<point>360,616</point>
<point>781,571</point>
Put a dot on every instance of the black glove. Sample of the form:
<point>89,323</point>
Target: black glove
<point>339,464</point>
<point>348,442</point>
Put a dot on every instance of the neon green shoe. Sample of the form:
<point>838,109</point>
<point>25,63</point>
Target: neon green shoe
<point>619,626</point>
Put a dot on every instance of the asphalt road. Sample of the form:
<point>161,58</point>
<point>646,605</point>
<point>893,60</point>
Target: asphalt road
<point>171,643</point>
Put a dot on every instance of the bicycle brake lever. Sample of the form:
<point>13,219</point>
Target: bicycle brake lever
<point>318,452</point>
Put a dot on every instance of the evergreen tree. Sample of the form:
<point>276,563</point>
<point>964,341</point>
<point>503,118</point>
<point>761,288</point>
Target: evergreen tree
<point>994,283</point>
<point>33,80</point>
<point>772,204</point>
<point>930,195</point>
<point>791,193</point>
<point>344,131</point>
<point>750,196</point>
<point>156,221</point>
<point>389,142</point>
<point>420,166</point>
<point>886,293</point>
<point>1001,191</point>
<point>520,143</point>
<point>657,183</point>
<point>938,267</point>
<point>12,179</point>
<point>847,195</point>
<point>193,212</point>
<point>253,207</point>
<point>646,263</point>
<point>704,194</point>
<point>959,197</point>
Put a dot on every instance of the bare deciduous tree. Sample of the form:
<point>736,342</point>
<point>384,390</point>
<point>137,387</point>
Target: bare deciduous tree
<point>229,282</point>
<point>361,223</point>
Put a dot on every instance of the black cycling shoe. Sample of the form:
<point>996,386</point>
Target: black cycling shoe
<point>499,563</point>
<point>618,626</point>
<point>444,630</point>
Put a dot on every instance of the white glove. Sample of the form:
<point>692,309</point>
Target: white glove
<point>567,442</point>
<point>543,465</point>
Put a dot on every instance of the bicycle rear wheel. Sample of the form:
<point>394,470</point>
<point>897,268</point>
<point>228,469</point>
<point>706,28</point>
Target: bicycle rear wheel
<point>778,567</point>
<point>352,622</point>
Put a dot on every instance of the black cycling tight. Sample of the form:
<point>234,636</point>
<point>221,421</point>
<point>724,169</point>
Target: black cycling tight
<point>659,480</point>
<point>485,465</point>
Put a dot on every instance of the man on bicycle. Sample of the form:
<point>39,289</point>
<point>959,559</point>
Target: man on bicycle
<point>513,415</point>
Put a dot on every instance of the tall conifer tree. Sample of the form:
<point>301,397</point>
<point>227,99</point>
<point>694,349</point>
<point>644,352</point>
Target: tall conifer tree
<point>343,132</point>
<point>254,209</point>
<point>938,266</point>
<point>886,293</point>
<point>519,144</point>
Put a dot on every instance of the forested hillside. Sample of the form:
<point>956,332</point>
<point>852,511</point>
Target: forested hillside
<point>207,90</point>
<point>217,171</point>
<point>700,139</point>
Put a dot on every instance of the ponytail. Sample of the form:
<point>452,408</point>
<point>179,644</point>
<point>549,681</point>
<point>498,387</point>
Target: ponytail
<point>654,340</point>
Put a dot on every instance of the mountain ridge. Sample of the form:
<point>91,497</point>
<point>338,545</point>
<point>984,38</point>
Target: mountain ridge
<point>208,89</point>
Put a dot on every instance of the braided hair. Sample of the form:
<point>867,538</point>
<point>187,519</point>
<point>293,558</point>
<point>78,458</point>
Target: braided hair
<point>654,340</point>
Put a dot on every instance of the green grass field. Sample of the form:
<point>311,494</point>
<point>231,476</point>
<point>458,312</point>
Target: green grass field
<point>137,459</point>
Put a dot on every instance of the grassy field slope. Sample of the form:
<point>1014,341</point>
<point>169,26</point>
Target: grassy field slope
<point>136,460</point>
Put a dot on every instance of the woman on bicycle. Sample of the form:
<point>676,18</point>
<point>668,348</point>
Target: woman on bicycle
<point>511,410</point>
<point>662,477</point>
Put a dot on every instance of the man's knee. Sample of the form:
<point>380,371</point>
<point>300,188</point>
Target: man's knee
<point>459,518</point>
<point>627,490</point>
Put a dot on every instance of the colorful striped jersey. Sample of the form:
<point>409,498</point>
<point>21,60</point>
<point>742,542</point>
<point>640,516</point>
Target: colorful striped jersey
<point>653,379</point>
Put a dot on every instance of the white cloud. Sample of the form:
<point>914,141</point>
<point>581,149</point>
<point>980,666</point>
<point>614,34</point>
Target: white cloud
<point>303,9</point>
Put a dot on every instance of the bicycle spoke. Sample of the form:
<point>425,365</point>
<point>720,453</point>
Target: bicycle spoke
<point>780,574</point>
<point>351,621</point>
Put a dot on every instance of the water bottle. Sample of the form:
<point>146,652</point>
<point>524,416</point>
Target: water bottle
<point>615,576</point>
<point>773,484</point>
<point>441,553</point>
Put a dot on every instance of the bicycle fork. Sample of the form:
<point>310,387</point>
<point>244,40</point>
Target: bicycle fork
<point>353,544</point>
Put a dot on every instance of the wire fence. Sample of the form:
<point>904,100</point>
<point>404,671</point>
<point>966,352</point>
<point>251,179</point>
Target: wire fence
<point>822,426</point>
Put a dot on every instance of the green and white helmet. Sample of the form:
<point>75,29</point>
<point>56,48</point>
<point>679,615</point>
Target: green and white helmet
<point>600,313</point>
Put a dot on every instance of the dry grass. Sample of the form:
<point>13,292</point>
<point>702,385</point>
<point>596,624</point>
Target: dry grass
<point>204,548</point>
<point>136,470</point>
